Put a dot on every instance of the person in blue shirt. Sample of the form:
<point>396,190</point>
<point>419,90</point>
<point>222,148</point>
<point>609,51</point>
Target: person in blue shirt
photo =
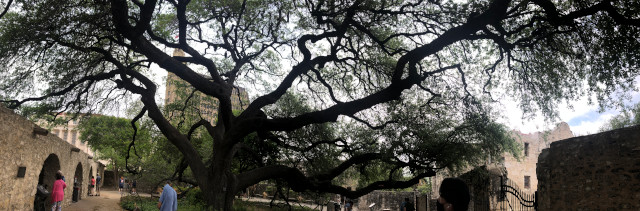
<point>168,199</point>
<point>98,180</point>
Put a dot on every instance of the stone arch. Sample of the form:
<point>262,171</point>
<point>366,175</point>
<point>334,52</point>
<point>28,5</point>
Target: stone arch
<point>77,183</point>
<point>46,178</point>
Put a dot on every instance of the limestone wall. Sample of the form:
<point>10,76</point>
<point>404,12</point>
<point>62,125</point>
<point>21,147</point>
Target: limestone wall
<point>19,147</point>
<point>596,172</point>
<point>389,200</point>
<point>69,132</point>
<point>517,170</point>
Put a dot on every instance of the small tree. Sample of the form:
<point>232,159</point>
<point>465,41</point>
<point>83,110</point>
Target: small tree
<point>628,117</point>
<point>111,138</point>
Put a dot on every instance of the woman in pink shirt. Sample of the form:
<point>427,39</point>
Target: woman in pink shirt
<point>92,187</point>
<point>57,192</point>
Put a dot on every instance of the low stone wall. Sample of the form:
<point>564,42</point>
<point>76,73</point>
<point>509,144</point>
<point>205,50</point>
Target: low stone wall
<point>20,148</point>
<point>596,172</point>
<point>385,200</point>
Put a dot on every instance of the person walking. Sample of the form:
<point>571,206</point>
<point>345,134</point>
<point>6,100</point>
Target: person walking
<point>168,199</point>
<point>98,180</point>
<point>57,193</point>
<point>406,205</point>
<point>348,206</point>
<point>133,186</point>
<point>121,185</point>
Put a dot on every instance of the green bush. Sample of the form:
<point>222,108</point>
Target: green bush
<point>146,204</point>
<point>239,205</point>
<point>191,203</point>
<point>195,197</point>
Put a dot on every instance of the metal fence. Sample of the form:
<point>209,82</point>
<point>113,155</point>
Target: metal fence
<point>512,198</point>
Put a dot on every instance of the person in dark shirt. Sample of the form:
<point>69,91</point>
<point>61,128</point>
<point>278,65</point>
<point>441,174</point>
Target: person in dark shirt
<point>454,195</point>
<point>98,180</point>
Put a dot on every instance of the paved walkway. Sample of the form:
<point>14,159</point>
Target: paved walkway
<point>107,201</point>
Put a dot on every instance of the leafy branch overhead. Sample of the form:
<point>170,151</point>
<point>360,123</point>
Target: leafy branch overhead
<point>336,86</point>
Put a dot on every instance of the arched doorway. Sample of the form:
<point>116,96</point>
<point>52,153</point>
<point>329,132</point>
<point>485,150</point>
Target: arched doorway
<point>47,177</point>
<point>77,183</point>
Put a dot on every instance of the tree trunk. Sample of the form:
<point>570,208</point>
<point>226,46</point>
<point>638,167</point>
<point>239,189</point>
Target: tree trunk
<point>220,187</point>
<point>219,192</point>
<point>115,173</point>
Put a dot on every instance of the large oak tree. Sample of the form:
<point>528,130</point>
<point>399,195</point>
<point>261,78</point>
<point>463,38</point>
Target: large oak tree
<point>404,84</point>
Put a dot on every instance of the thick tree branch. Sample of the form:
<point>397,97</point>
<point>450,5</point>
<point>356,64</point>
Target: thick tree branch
<point>12,104</point>
<point>279,171</point>
<point>6,8</point>
<point>300,183</point>
<point>495,13</point>
<point>554,16</point>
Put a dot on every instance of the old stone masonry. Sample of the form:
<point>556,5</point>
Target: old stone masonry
<point>30,156</point>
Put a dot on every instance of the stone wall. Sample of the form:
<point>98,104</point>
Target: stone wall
<point>596,172</point>
<point>68,132</point>
<point>517,170</point>
<point>385,200</point>
<point>20,147</point>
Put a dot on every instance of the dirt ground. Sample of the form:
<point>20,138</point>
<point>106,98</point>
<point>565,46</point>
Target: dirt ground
<point>107,201</point>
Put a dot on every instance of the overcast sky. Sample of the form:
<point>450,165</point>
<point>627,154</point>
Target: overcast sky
<point>583,119</point>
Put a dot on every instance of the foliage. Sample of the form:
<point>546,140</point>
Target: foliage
<point>195,197</point>
<point>240,205</point>
<point>392,91</point>
<point>628,117</point>
<point>144,203</point>
<point>148,203</point>
<point>425,187</point>
<point>111,136</point>
<point>150,156</point>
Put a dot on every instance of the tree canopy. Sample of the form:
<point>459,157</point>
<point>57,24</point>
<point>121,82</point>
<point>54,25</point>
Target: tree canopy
<point>111,137</point>
<point>628,117</point>
<point>335,85</point>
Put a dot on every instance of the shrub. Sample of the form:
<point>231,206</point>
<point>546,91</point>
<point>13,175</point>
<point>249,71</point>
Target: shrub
<point>147,204</point>
<point>144,203</point>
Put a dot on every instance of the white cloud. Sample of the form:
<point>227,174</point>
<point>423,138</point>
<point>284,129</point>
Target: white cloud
<point>590,127</point>
<point>583,118</point>
<point>512,116</point>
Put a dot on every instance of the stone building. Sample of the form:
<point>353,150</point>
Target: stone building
<point>207,106</point>
<point>69,132</point>
<point>31,156</point>
<point>523,171</point>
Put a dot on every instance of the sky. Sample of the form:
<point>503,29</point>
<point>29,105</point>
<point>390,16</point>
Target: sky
<point>583,119</point>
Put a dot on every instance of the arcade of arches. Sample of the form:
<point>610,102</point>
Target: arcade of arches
<point>30,157</point>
